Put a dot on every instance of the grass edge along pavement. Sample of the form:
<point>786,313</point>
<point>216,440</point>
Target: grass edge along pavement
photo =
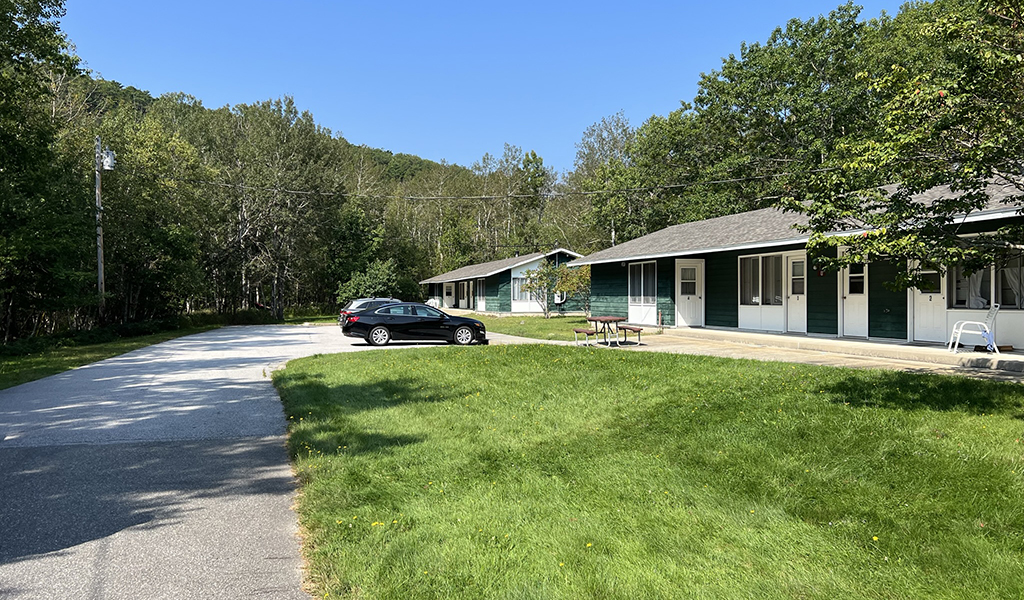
<point>16,370</point>
<point>563,472</point>
<point>558,327</point>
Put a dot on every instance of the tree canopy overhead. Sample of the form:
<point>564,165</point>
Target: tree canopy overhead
<point>953,123</point>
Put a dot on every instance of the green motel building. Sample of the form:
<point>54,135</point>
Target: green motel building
<point>750,271</point>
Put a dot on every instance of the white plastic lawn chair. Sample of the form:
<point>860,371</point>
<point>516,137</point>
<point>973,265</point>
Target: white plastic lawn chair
<point>976,328</point>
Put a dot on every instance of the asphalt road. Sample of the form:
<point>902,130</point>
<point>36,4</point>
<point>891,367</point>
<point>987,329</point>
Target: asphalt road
<point>161,473</point>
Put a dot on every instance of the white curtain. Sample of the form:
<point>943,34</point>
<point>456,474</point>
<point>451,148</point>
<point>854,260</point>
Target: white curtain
<point>1012,275</point>
<point>974,297</point>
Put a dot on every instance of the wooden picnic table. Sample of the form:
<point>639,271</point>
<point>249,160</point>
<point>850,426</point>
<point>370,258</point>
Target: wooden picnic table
<point>603,323</point>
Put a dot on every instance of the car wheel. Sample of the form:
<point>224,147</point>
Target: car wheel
<point>463,335</point>
<point>379,336</point>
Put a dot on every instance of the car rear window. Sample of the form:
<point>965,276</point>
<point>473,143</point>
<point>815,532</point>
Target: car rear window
<point>394,310</point>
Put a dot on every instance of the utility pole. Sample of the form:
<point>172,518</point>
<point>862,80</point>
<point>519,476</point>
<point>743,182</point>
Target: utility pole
<point>104,162</point>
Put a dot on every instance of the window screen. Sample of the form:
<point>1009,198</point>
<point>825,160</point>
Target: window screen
<point>643,283</point>
<point>970,291</point>
<point>772,280</point>
<point>750,281</point>
<point>636,283</point>
<point>1011,283</point>
<point>650,283</point>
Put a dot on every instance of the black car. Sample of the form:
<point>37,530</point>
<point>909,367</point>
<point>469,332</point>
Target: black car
<point>362,304</point>
<point>413,321</point>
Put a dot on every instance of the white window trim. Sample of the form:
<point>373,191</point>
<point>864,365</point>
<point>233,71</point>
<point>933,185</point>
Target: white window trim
<point>760,276</point>
<point>629,284</point>
<point>517,292</point>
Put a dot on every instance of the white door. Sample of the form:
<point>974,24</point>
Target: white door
<point>690,293</point>
<point>930,310</point>
<point>855,301</point>
<point>796,294</point>
<point>449,296</point>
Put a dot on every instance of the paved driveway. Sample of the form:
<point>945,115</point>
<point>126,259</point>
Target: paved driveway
<point>161,473</point>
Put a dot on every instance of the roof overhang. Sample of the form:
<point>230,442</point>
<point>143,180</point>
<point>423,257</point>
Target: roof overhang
<point>748,246</point>
<point>990,215</point>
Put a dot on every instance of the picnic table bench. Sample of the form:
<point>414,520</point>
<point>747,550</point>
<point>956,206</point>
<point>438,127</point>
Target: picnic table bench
<point>626,329</point>
<point>603,325</point>
<point>586,335</point>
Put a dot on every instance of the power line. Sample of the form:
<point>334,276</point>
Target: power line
<point>548,195</point>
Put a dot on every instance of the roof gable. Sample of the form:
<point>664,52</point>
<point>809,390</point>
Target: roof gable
<point>495,266</point>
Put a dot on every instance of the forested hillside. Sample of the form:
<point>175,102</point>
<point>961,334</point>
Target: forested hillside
<point>224,209</point>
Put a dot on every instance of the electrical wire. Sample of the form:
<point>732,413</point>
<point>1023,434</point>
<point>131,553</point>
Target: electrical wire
<point>547,195</point>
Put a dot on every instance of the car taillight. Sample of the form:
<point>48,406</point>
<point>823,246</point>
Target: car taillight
<point>353,319</point>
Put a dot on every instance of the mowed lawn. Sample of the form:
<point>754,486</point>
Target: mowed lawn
<point>563,472</point>
<point>539,328</point>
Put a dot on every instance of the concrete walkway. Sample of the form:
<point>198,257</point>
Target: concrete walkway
<point>161,473</point>
<point>919,358</point>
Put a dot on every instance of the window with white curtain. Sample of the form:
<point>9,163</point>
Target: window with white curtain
<point>762,280</point>
<point>643,283</point>
<point>1010,283</point>
<point>518,293</point>
<point>970,291</point>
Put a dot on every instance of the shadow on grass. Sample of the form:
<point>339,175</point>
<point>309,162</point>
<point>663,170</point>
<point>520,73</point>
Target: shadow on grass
<point>910,391</point>
<point>322,416</point>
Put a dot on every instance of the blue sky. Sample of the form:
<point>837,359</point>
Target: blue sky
<point>440,80</point>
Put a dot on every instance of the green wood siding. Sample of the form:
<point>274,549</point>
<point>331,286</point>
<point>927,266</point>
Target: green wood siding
<point>721,291</point>
<point>499,292</point>
<point>609,289</point>
<point>887,310</point>
<point>572,304</point>
<point>822,299</point>
<point>561,258</point>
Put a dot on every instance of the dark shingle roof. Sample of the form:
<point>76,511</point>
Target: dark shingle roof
<point>760,228</point>
<point>490,268</point>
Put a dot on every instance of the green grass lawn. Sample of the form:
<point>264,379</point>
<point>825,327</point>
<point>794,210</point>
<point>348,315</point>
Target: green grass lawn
<point>539,328</point>
<point>15,370</point>
<point>562,472</point>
